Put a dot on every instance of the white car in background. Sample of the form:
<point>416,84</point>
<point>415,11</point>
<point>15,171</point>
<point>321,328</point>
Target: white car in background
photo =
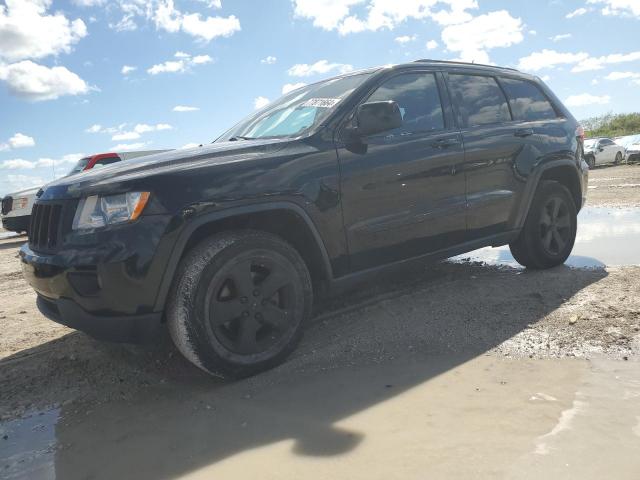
<point>16,207</point>
<point>598,151</point>
<point>631,144</point>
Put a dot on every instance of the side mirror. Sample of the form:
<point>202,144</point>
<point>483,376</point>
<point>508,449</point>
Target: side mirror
<point>377,117</point>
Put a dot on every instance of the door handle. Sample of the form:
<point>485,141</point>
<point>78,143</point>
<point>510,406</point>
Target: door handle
<point>523,132</point>
<point>445,143</point>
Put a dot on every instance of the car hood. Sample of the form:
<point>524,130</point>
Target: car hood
<point>115,175</point>
<point>24,193</point>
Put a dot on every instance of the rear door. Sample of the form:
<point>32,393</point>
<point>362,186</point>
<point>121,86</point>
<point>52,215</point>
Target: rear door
<point>402,195</point>
<point>492,142</point>
<point>609,150</point>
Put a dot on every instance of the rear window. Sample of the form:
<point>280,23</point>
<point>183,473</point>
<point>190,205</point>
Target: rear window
<point>479,99</point>
<point>527,100</point>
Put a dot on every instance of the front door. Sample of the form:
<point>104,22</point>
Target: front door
<point>402,194</point>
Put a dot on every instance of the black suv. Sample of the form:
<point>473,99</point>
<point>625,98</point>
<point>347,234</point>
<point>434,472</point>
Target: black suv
<point>227,243</point>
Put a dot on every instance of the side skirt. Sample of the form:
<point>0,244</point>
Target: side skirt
<point>348,281</point>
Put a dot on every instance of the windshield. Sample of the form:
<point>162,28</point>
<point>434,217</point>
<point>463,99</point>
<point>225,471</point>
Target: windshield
<point>78,167</point>
<point>298,111</point>
<point>590,143</point>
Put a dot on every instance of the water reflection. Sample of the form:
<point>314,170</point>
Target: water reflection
<point>606,237</point>
<point>28,446</point>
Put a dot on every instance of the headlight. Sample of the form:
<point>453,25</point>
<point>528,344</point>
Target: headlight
<point>98,211</point>
<point>20,203</point>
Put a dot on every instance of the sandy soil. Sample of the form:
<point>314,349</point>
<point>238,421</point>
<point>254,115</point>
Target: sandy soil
<point>615,186</point>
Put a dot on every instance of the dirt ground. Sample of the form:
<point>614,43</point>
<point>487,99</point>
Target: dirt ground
<point>439,317</point>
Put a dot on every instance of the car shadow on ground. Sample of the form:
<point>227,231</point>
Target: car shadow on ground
<point>363,348</point>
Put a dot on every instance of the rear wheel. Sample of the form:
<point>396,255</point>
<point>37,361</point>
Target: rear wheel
<point>239,302</point>
<point>618,159</point>
<point>550,229</point>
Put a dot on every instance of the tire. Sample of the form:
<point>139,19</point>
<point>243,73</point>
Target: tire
<point>220,314</point>
<point>618,159</point>
<point>549,232</point>
<point>591,161</point>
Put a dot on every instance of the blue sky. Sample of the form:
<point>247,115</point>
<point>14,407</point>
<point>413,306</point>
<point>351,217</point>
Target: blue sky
<point>90,76</point>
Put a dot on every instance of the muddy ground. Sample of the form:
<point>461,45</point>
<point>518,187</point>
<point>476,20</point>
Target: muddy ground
<point>439,317</point>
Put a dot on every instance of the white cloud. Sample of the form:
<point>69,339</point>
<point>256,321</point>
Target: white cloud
<point>549,59</point>
<point>260,102</point>
<point>184,108</point>
<point>289,87</point>
<point>138,130</point>
<point>633,76</point>
<point>127,69</point>
<point>19,140</point>
<point>562,36</point>
<point>622,75</point>
<point>380,14</point>
<point>205,29</point>
<point>28,31</point>
<point>472,39</point>
<point>618,7</point>
<point>118,137</point>
<point>432,45</point>
<point>12,183</point>
<point>585,99</point>
<point>89,3</point>
<point>17,164</point>
<point>184,62</point>
<point>125,147</point>
<point>36,82</point>
<point>20,164</point>
<point>405,39</point>
<point>269,60</point>
<point>321,66</point>
<point>577,13</point>
<point>598,63</point>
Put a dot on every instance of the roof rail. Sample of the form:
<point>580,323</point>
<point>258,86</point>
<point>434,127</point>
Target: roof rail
<point>453,62</point>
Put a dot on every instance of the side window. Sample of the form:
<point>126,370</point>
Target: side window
<point>606,142</point>
<point>105,161</point>
<point>418,97</point>
<point>480,100</point>
<point>527,101</point>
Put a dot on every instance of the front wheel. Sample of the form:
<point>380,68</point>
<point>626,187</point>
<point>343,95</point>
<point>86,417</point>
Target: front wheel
<point>549,232</point>
<point>239,302</point>
<point>618,159</point>
<point>591,161</point>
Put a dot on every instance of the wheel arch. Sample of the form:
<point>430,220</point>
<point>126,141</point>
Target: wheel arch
<point>286,220</point>
<point>564,172</point>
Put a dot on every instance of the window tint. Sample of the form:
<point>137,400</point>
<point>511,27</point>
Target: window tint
<point>480,100</point>
<point>527,101</point>
<point>418,98</point>
<point>606,142</point>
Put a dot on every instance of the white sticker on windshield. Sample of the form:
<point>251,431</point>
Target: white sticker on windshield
<point>321,102</point>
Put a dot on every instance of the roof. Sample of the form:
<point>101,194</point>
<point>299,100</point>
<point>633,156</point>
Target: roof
<point>463,64</point>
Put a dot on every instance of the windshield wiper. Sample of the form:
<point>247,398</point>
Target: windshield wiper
<point>235,138</point>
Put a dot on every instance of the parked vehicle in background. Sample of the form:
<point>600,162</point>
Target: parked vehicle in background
<point>631,144</point>
<point>16,207</point>
<point>598,151</point>
<point>230,242</point>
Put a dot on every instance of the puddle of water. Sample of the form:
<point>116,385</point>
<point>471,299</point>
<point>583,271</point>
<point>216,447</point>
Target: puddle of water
<point>607,237</point>
<point>27,446</point>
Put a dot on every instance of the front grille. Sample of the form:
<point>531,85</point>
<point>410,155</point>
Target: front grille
<point>45,226</point>
<point>7,204</point>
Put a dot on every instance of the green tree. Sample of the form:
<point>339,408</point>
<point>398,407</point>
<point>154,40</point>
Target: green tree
<point>611,125</point>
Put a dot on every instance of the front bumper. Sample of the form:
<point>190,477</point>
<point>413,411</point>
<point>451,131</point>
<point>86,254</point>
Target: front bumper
<point>126,328</point>
<point>106,288</point>
<point>16,224</point>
